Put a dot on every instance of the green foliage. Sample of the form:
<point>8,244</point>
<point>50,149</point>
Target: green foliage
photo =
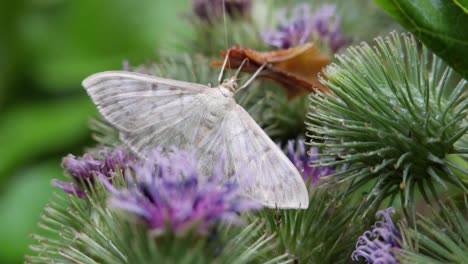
<point>439,24</point>
<point>28,131</point>
<point>463,4</point>
<point>76,47</point>
<point>438,240</point>
<point>396,115</point>
<point>21,206</point>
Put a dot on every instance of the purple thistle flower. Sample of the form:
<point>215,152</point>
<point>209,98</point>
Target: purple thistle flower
<point>291,32</point>
<point>169,191</point>
<point>327,25</point>
<point>296,152</point>
<point>84,169</point>
<point>208,10</point>
<point>378,246</point>
<point>303,25</point>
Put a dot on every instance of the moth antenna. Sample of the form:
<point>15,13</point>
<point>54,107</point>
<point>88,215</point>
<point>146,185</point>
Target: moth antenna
<point>253,77</point>
<point>224,66</point>
<point>225,24</point>
<point>240,67</point>
<point>225,28</point>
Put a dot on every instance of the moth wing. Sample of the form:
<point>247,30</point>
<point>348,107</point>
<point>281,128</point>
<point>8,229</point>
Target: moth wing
<point>271,177</point>
<point>148,111</point>
<point>151,111</point>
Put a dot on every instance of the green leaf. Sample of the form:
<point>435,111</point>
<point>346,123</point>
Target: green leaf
<point>87,36</point>
<point>21,205</point>
<point>27,131</point>
<point>463,4</point>
<point>439,24</point>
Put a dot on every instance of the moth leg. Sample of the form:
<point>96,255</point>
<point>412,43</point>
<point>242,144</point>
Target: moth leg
<point>253,77</point>
<point>226,58</point>
<point>240,67</point>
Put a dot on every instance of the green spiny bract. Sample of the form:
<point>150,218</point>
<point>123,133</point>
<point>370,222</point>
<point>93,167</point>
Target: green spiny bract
<point>395,114</point>
<point>323,233</point>
<point>437,239</point>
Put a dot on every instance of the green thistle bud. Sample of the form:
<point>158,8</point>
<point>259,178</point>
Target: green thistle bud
<point>323,233</point>
<point>396,116</point>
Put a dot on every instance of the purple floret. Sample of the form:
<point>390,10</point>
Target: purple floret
<point>379,245</point>
<point>83,170</point>
<point>296,152</point>
<point>169,191</point>
<point>302,26</point>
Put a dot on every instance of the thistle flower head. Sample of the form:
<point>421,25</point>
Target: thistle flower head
<point>168,191</point>
<point>297,153</point>
<point>106,161</point>
<point>84,169</point>
<point>394,116</point>
<point>302,25</point>
<point>377,246</point>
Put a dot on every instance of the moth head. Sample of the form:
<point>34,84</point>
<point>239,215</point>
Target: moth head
<point>230,84</point>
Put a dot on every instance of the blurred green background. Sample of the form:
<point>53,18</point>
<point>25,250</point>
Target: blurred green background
<point>47,47</point>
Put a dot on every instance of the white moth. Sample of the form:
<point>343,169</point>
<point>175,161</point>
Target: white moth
<point>150,111</point>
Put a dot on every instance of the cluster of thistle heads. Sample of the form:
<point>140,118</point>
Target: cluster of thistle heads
<point>388,139</point>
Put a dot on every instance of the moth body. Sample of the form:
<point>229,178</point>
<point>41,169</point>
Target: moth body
<point>228,87</point>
